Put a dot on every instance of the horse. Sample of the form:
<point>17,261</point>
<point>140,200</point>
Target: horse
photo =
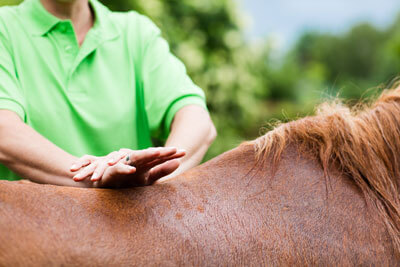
<point>322,190</point>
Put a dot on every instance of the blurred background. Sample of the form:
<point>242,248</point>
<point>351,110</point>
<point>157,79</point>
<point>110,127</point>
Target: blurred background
<point>262,60</point>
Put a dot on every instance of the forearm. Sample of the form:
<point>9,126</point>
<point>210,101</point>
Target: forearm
<point>191,160</point>
<point>31,156</point>
<point>192,130</point>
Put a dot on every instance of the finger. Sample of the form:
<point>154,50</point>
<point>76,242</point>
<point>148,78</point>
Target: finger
<point>86,172</point>
<point>169,151</point>
<point>117,170</point>
<point>165,155</point>
<point>99,171</point>
<point>139,157</point>
<point>116,156</point>
<point>163,170</point>
<point>82,162</point>
<point>179,154</point>
<point>164,152</point>
<point>158,161</point>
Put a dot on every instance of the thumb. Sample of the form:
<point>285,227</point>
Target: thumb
<point>163,170</point>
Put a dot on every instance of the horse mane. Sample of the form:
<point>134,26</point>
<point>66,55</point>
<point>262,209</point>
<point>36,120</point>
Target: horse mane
<point>362,142</point>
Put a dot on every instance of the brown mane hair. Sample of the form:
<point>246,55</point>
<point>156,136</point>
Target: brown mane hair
<point>362,142</point>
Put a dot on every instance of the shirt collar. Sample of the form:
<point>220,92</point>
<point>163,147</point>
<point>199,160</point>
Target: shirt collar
<point>40,21</point>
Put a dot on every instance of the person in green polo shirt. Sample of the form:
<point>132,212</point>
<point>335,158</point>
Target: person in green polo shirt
<point>83,91</point>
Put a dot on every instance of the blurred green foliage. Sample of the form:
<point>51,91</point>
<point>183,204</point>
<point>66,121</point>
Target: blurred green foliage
<point>246,86</point>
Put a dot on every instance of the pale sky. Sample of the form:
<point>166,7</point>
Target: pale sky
<point>285,20</point>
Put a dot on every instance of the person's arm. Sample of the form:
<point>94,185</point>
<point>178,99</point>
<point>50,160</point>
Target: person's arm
<point>32,156</point>
<point>193,131</point>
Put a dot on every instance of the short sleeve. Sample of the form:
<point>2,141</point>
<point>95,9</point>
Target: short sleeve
<point>11,97</point>
<point>167,87</point>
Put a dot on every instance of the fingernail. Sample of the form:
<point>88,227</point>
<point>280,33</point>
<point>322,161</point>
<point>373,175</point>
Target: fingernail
<point>74,166</point>
<point>95,176</point>
<point>181,151</point>
<point>111,161</point>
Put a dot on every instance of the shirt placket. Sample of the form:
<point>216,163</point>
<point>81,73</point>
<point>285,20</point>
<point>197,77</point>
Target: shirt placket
<point>68,47</point>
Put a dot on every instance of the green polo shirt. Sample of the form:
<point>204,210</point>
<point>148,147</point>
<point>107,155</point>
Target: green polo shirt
<point>120,89</point>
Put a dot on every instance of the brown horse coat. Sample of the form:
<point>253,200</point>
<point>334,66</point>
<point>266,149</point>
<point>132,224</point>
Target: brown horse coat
<point>233,210</point>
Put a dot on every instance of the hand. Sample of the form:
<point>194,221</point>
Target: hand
<point>127,167</point>
<point>93,162</point>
